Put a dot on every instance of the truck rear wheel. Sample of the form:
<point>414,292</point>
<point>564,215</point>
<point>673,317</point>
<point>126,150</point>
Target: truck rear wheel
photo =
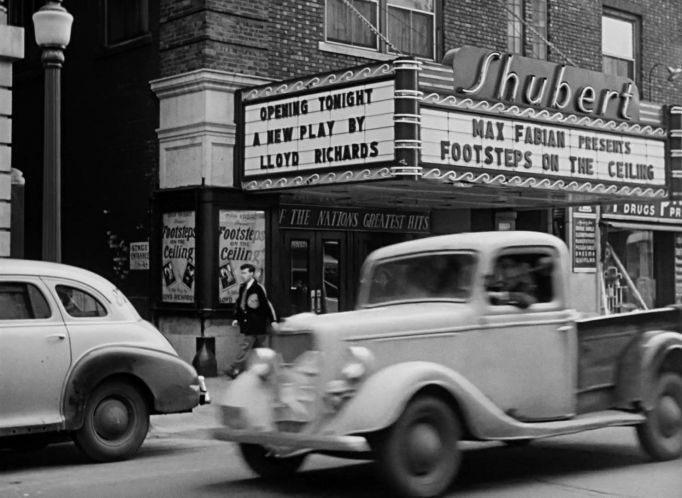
<point>661,434</point>
<point>418,455</point>
<point>269,466</point>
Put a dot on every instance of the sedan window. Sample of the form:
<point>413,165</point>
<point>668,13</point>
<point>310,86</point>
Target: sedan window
<point>79,303</point>
<point>22,301</point>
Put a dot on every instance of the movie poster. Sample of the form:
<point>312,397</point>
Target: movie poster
<point>178,261</point>
<point>241,239</point>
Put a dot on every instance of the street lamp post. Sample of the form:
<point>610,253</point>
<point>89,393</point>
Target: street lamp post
<point>52,25</point>
<point>673,74</point>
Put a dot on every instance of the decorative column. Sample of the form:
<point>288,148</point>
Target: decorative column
<point>406,118</point>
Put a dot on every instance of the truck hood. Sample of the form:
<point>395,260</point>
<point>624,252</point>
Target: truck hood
<point>393,319</point>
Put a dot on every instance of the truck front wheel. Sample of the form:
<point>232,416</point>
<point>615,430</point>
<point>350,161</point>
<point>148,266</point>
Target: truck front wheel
<point>418,455</point>
<point>269,466</point>
<point>661,434</point>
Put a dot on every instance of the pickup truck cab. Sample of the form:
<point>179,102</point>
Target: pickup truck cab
<point>457,337</point>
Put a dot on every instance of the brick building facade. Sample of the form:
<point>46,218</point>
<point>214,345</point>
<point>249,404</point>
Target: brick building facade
<point>157,113</point>
<point>11,49</point>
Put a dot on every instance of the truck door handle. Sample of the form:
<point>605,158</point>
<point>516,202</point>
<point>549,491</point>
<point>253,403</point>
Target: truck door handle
<point>58,336</point>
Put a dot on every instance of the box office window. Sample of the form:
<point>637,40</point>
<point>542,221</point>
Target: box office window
<point>620,33</point>
<point>125,20</point>
<point>409,25</point>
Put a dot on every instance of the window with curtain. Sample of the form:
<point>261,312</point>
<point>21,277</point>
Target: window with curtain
<point>125,20</point>
<point>345,26</point>
<point>410,25</point>
<point>515,29</point>
<point>619,41</point>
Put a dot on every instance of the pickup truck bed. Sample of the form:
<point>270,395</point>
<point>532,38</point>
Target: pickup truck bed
<point>607,346</point>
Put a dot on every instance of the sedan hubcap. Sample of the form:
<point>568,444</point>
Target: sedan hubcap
<point>669,416</point>
<point>423,447</point>
<point>111,418</point>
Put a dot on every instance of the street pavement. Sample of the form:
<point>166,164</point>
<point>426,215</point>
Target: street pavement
<point>180,459</point>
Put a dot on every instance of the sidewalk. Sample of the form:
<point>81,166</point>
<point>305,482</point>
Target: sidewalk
<point>198,424</point>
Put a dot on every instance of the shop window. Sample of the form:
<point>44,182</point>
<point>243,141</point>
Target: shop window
<point>79,303</point>
<point>409,25</point>
<point>125,20</point>
<point>22,301</point>
<point>620,39</point>
<point>629,270</point>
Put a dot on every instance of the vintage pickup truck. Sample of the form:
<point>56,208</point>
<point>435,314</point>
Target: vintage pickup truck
<point>457,337</point>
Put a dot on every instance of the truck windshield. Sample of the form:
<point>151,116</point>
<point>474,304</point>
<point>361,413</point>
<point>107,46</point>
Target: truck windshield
<point>440,276</point>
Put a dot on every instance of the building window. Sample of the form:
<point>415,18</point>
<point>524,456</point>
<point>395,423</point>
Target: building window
<point>409,25</point>
<point>515,26</point>
<point>619,41</point>
<point>125,20</point>
<point>530,42</point>
<point>538,35</point>
<point>345,26</point>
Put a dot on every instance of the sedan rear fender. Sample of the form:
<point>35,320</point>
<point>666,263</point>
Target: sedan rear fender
<point>382,398</point>
<point>170,384</point>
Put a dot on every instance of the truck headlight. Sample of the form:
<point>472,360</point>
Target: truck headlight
<point>361,361</point>
<point>262,362</point>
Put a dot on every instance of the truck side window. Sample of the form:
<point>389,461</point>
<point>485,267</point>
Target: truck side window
<point>521,279</point>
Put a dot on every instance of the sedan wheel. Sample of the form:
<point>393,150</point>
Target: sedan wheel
<point>418,455</point>
<point>661,434</point>
<point>116,423</point>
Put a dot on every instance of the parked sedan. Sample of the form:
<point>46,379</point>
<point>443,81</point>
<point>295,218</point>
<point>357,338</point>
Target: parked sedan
<point>76,359</point>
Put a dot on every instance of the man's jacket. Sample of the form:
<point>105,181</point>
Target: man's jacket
<point>254,310</point>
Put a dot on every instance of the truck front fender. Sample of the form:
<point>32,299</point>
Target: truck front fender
<point>171,383</point>
<point>384,395</point>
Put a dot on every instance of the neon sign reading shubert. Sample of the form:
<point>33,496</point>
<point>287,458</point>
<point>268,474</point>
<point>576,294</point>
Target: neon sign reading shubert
<point>489,75</point>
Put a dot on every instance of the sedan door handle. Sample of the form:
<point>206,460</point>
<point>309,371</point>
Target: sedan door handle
<point>58,336</point>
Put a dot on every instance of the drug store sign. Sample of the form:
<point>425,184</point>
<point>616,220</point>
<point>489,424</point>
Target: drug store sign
<point>341,127</point>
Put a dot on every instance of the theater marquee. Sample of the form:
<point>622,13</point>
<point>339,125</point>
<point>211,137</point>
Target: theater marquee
<point>510,146</point>
<point>340,127</point>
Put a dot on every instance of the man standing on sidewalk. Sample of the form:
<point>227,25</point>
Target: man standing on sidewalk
<point>253,314</point>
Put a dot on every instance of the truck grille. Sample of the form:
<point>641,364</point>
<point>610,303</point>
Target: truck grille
<point>291,345</point>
